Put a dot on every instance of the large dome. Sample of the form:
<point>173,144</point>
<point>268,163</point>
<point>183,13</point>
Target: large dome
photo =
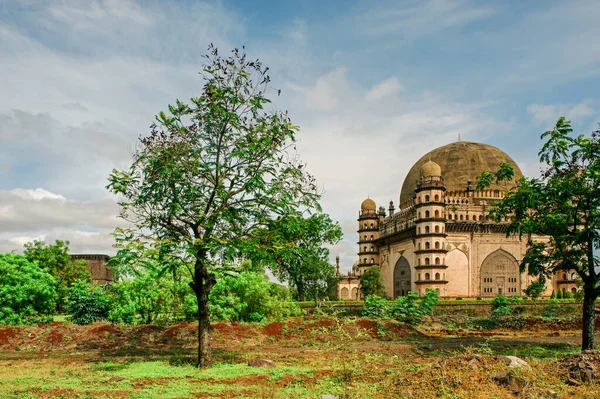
<point>460,162</point>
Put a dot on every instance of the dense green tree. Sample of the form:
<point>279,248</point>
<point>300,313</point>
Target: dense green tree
<point>55,259</point>
<point>563,204</point>
<point>26,290</point>
<point>294,248</point>
<point>88,303</point>
<point>371,283</point>
<point>250,296</point>
<point>212,173</point>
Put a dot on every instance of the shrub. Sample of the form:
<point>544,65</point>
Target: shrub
<point>376,307</point>
<point>87,303</point>
<point>412,309</point>
<point>459,298</point>
<point>559,294</point>
<point>553,295</point>
<point>479,298</point>
<point>247,296</point>
<point>502,311</point>
<point>499,301</point>
<point>567,295</point>
<point>27,293</point>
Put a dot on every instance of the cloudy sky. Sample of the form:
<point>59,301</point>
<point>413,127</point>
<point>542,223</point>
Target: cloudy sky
<point>373,85</point>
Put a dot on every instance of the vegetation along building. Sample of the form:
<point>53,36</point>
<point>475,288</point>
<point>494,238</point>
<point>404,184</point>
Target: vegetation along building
<point>441,236</point>
<point>96,265</point>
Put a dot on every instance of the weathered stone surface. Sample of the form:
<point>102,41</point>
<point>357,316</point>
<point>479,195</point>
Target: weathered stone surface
<point>580,367</point>
<point>508,380</point>
<point>328,396</point>
<point>515,362</point>
<point>116,378</point>
<point>261,363</point>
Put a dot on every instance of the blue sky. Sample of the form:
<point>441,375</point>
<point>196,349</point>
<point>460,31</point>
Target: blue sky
<point>372,84</point>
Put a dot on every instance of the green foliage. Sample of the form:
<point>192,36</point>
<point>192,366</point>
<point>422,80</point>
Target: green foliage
<point>376,307</point>
<point>559,294</point>
<point>553,295</point>
<point>371,282</point>
<point>292,246</point>
<point>563,204</point>
<point>502,311</point>
<point>536,288</point>
<point>499,301</point>
<point>412,309</point>
<point>55,260</point>
<point>87,303</point>
<point>567,295</point>
<point>211,175</point>
<point>26,291</point>
<point>247,296</point>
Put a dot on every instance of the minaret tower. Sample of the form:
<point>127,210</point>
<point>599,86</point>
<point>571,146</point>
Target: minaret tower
<point>430,241</point>
<point>368,232</point>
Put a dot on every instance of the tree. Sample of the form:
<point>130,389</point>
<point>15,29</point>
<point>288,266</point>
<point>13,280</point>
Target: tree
<point>87,303</point>
<point>55,260</point>
<point>371,283</point>
<point>26,290</point>
<point>293,247</point>
<point>212,173</point>
<point>563,204</point>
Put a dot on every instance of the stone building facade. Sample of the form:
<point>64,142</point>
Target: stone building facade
<point>96,265</point>
<point>441,236</point>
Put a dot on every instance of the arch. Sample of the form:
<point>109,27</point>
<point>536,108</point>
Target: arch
<point>371,236</point>
<point>437,244</point>
<point>427,245</point>
<point>437,276</point>
<point>474,217</point>
<point>365,260</point>
<point>365,248</point>
<point>371,225</point>
<point>426,261</point>
<point>419,245</point>
<point>426,198</point>
<point>437,261</point>
<point>426,229</point>
<point>461,217</point>
<point>427,214</point>
<point>573,276</point>
<point>365,237</point>
<point>500,274</point>
<point>573,290</point>
<point>344,293</point>
<point>436,213</point>
<point>436,198</point>
<point>436,229</point>
<point>372,261</point>
<point>402,279</point>
<point>354,294</point>
<point>427,276</point>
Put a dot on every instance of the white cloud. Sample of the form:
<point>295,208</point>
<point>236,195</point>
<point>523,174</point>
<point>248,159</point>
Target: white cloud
<point>37,194</point>
<point>384,89</point>
<point>328,89</point>
<point>547,114</point>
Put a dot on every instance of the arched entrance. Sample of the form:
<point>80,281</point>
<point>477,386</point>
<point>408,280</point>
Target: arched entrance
<point>401,277</point>
<point>500,275</point>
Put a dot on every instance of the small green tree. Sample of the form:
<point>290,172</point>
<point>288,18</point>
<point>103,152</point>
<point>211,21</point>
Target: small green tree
<point>55,259</point>
<point>376,307</point>
<point>371,283</point>
<point>536,288</point>
<point>412,309</point>
<point>211,174</point>
<point>563,204</point>
<point>87,303</point>
<point>26,290</point>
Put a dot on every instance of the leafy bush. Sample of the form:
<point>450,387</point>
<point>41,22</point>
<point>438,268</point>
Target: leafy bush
<point>26,291</point>
<point>247,296</point>
<point>559,294</point>
<point>87,303</point>
<point>376,307</point>
<point>499,301</point>
<point>502,311</point>
<point>553,295</point>
<point>412,309</point>
<point>148,298</point>
<point>458,298</point>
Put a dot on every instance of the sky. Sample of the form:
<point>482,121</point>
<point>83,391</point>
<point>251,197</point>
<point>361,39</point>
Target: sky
<point>373,85</point>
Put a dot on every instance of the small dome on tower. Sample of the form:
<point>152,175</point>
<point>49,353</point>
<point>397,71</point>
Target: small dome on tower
<point>368,205</point>
<point>430,168</point>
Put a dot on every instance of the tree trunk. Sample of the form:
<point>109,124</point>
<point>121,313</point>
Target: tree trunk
<point>202,284</point>
<point>204,352</point>
<point>589,318</point>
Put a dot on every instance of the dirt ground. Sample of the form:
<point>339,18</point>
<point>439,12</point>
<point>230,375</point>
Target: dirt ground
<point>314,356</point>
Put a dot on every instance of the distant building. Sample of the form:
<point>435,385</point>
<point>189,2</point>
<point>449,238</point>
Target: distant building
<point>442,237</point>
<point>96,265</point>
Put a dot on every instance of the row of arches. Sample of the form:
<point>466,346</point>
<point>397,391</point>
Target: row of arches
<point>368,226</point>
<point>499,274</point>
<point>436,214</point>
<point>427,245</point>
<point>427,229</point>
<point>371,237</point>
<point>347,294</point>
<point>427,261</point>
<point>372,249</point>
<point>427,198</point>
